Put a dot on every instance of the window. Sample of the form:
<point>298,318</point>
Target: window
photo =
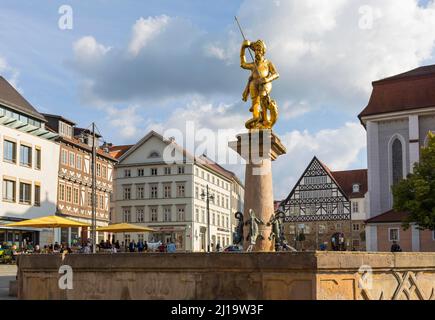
<point>154,154</point>
<point>68,193</point>
<point>355,188</point>
<point>101,201</point>
<point>153,171</point>
<point>98,169</point>
<point>203,216</point>
<point>140,215</point>
<point>167,191</point>
<point>104,171</point>
<point>79,162</point>
<point>38,158</point>
<point>9,190</point>
<point>140,172</point>
<point>126,215</point>
<point>355,207</point>
<point>196,192</point>
<point>153,192</point>
<point>213,219</point>
<point>62,192</point>
<point>167,214</point>
<point>180,191</point>
<point>9,151</point>
<point>167,170</point>
<point>64,157</point>
<point>72,159</point>
<point>140,192</point>
<point>322,229</point>
<point>197,215</point>
<point>355,227</point>
<point>127,173</point>
<point>397,161</point>
<point>25,193</point>
<point>127,193</point>
<point>25,156</point>
<point>154,216</point>
<point>89,199</point>
<point>181,170</point>
<point>393,234</point>
<point>180,214</point>
<point>76,196</point>
<point>37,201</point>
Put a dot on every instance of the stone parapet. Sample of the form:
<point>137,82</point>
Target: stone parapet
<point>247,276</point>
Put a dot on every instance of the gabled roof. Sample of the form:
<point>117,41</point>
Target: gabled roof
<point>151,134</point>
<point>58,117</point>
<point>122,152</point>
<point>389,217</point>
<point>328,172</point>
<point>346,179</point>
<point>11,98</point>
<point>407,91</point>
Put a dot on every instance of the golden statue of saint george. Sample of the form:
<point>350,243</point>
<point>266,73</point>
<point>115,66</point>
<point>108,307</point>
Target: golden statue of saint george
<point>259,86</point>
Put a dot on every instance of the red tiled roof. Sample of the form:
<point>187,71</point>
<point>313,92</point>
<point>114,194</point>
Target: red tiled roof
<point>411,90</point>
<point>346,180</point>
<point>388,217</point>
<point>117,151</point>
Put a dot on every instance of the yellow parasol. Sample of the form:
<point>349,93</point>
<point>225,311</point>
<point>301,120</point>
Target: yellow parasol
<point>48,222</point>
<point>124,227</point>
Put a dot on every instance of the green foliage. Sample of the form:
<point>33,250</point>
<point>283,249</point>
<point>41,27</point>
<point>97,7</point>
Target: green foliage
<point>416,194</point>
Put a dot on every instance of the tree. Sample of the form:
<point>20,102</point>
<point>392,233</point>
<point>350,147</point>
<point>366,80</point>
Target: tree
<point>416,194</point>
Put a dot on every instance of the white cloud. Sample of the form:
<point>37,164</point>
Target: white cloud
<point>88,49</point>
<point>291,110</point>
<point>126,120</point>
<point>144,30</point>
<point>324,57</point>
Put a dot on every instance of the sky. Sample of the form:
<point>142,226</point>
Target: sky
<point>166,65</point>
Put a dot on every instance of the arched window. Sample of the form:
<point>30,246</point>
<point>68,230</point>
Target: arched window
<point>154,154</point>
<point>397,157</point>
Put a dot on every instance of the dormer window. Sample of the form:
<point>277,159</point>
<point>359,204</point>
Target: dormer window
<point>65,129</point>
<point>355,188</point>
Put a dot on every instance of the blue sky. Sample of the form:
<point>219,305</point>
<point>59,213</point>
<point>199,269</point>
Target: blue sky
<point>133,66</point>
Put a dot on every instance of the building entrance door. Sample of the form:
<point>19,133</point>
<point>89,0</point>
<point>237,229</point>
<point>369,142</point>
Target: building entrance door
<point>202,243</point>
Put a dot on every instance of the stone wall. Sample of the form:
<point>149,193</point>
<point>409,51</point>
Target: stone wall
<point>289,276</point>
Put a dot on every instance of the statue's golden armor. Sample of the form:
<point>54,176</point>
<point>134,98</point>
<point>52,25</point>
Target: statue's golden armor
<point>259,86</point>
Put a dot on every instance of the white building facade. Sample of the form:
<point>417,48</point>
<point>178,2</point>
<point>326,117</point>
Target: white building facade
<point>398,118</point>
<point>170,196</point>
<point>29,164</point>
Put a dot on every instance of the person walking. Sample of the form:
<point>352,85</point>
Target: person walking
<point>145,246</point>
<point>140,246</point>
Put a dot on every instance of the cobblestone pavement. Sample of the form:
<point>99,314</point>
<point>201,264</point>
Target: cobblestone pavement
<point>7,273</point>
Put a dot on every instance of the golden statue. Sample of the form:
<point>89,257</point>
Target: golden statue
<point>259,86</point>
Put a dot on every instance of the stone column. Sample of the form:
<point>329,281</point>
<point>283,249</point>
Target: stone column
<point>259,148</point>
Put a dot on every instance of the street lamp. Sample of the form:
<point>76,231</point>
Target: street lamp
<point>207,196</point>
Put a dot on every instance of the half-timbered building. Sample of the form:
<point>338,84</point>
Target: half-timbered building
<point>319,209</point>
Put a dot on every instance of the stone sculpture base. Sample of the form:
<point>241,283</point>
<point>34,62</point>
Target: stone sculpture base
<point>259,148</point>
